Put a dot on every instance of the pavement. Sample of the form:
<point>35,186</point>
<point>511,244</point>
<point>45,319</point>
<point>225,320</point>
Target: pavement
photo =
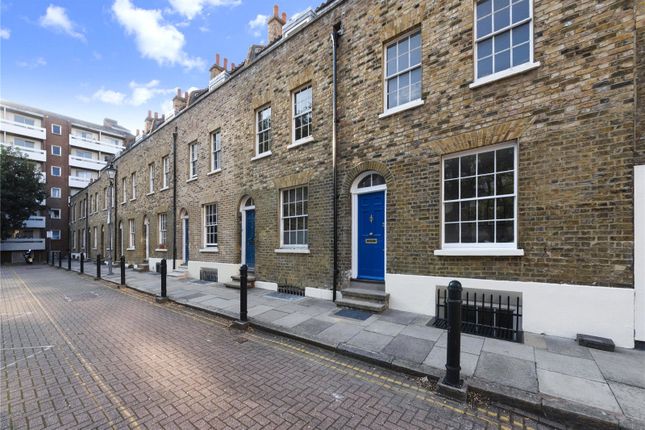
<point>549,375</point>
<point>76,353</point>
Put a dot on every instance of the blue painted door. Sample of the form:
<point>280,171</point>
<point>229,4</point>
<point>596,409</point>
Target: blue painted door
<point>250,238</point>
<point>186,239</point>
<point>371,236</point>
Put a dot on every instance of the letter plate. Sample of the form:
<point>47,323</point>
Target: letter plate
<point>371,241</point>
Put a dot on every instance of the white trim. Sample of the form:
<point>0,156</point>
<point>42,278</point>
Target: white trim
<point>261,156</point>
<point>301,142</point>
<point>400,108</point>
<point>60,148</point>
<point>150,194</point>
<point>258,111</point>
<point>212,172</point>
<point>473,252</point>
<point>130,249</point>
<point>162,189</point>
<point>355,191</point>
<point>146,226</point>
<point>281,218</point>
<point>60,127</point>
<point>291,251</point>
<point>205,230</point>
<point>243,210</point>
<point>160,250</point>
<point>211,250</point>
<point>295,91</point>
<point>184,236</point>
<point>504,74</point>
<point>60,170</point>
<point>194,178</point>
<point>639,251</point>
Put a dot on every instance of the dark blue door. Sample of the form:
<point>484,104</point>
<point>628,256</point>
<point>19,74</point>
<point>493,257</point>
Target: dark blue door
<point>186,238</point>
<point>371,236</point>
<point>250,238</point>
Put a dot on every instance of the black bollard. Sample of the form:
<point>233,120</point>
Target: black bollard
<point>164,268</point>
<point>98,266</point>
<point>60,259</point>
<point>243,293</point>
<point>82,261</point>
<point>454,335</point>
<point>69,260</point>
<point>122,270</point>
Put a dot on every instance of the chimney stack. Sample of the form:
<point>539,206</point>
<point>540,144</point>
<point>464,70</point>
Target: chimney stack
<point>148,123</point>
<point>216,69</point>
<point>179,101</point>
<point>275,24</point>
<point>225,63</point>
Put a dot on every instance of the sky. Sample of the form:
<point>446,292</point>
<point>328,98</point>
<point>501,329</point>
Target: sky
<point>92,59</point>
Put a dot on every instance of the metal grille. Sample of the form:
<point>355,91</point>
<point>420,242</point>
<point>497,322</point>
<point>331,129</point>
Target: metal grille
<point>490,315</point>
<point>288,289</point>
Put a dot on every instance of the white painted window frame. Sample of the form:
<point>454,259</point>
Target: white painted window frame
<point>387,111</point>
<point>60,150</point>
<point>292,247</point>
<point>259,131</point>
<point>51,213</point>
<point>60,129</point>
<point>52,193</point>
<point>165,171</point>
<point>133,185</point>
<point>132,234</point>
<point>209,245</point>
<point>513,70</point>
<point>124,188</point>
<point>162,221</point>
<point>60,171</point>
<point>192,160</point>
<point>216,151</point>
<point>355,192</point>
<point>294,93</point>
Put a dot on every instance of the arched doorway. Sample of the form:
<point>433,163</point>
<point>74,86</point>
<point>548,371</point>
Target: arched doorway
<point>247,209</point>
<point>369,244</point>
<point>185,236</point>
<point>146,235</point>
<point>102,247</point>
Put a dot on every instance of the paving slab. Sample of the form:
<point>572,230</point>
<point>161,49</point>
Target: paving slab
<point>622,365</point>
<point>631,399</point>
<point>510,349</point>
<point>507,370</point>
<point>537,341</point>
<point>398,317</point>
<point>469,344</point>
<point>292,320</point>
<point>568,365</point>
<point>385,327</point>
<point>409,348</point>
<point>423,332</point>
<point>271,315</point>
<point>217,303</point>
<point>437,358</point>
<point>581,390</point>
<point>370,341</point>
<point>312,326</point>
<point>257,310</point>
<point>560,345</point>
<point>339,333</point>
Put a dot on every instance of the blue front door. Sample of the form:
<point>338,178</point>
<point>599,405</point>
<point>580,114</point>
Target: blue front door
<point>186,238</point>
<point>250,238</point>
<point>371,236</point>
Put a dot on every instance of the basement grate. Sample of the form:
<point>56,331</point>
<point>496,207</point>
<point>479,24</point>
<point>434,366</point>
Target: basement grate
<point>288,289</point>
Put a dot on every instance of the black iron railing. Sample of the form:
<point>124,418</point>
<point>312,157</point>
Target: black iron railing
<point>485,314</point>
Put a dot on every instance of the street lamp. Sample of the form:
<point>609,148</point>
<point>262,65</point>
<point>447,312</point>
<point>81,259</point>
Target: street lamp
<point>111,172</point>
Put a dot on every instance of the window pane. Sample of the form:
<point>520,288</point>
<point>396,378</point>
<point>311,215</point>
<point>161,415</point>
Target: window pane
<point>500,4</point>
<point>486,209</point>
<point>502,41</point>
<point>505,159</point>
<point>484,26</point>
<point>502,18</point>
<point>415,57</point>
<point>469,211</point>
<point>451,212</point>
<point>521,54</point>
<point>485,185</point>
<point>505,231</point>
<point>468,231</point>
<point>468,188</point>
<point>485,67</point>
<point>521,10</point>
<point>452,233</point>
<point>484,8</point>
<point>506,208</point>
<point>521,34</point>
<point>502,61</point>
<point>505,183</point>
<point>415,41</point>
<point>451,190</point>
<point>485,232</point>
<point>468,165</point>
<point>485,163</point>
<point>485,48</point>
<point>451,168</point>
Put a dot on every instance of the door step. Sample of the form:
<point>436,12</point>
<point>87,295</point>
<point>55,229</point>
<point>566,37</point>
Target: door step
<point>142,268</point>
<point>235,282</point>
<point>367,284</point>
<point>367,299</point>
<point>179,273</point>
<point>363,305</point>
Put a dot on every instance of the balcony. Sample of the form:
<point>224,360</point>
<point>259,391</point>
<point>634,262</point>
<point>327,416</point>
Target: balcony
<point>86,163</point>
<point>94,145</point>
<point>34,222</point>
<point>79,182</point>
<point>31,153</point>
<point>22,244</point>
<point>21,129</point>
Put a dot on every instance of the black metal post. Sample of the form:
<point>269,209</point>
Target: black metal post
<point>164,268</point>
<point>69,260</point>
<point>243,290</point>
<point>454,335</point>
<point>82,261</point>
<point>122,270</point>
<point>60,259</point>
<point>98,266</point>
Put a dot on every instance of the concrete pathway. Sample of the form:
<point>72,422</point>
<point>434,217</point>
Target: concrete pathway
<point>547,373</point>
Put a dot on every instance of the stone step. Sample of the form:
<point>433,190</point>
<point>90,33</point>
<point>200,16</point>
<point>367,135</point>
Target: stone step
<point>142,268</point>
<point>361,304</point>
<point>367,294</point>
<point>237,278</point>
<point>367,285</point>
<point>236,284</point>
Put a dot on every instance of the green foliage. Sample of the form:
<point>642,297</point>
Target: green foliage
<point>20,190</point>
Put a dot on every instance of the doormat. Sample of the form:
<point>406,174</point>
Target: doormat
<point>354,314</point>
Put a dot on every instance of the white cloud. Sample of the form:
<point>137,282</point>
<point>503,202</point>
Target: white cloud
<point>139,94</point>
<point>258,25</point>
<point>192,8</point>
<point>155,39</point>
<point>32,64</point>
<point>56,19</point>
<point>5,33</point>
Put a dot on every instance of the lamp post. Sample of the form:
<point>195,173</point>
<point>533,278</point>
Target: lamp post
<point>111,172</point>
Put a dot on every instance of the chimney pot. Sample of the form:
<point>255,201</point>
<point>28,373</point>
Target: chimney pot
<point>225,63</point>
<point>284,17</point>
<point>217,59</point>
<point>178,92</point>
<point>275,10</point>
<point>156,115</point>
<point>186,95</point>
<point>149,114</point>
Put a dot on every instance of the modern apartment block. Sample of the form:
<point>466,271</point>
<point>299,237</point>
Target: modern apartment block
<point>401,145</point>
<point>69,152</point>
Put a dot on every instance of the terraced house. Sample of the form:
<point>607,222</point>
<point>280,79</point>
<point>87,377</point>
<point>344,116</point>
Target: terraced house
<point>395,146</point>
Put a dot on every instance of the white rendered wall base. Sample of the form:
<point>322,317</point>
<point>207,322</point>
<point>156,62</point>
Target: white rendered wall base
<point>639,251</point>
<point>553,309</point>
<point>272,286</point>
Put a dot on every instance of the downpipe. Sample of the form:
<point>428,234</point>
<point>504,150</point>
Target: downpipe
<point>335,34</point>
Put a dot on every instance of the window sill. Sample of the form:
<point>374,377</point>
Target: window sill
<point>211,250</point>
<point>194,178</point>
<point>401,108</point>
<point>164,189</point>
<point>479,252</point>
<point>130,249</point>
<point>212,172</point>
<point>122,203</point>
<point>301,142</point>
<point>161,250</point>
<point>504,74</point>
<point>150,193</point>
<point>133,199</point>
<point>261,156</point>
<point>292,251</point>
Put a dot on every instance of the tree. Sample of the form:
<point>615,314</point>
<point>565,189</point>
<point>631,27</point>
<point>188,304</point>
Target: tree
<point>20,190</point>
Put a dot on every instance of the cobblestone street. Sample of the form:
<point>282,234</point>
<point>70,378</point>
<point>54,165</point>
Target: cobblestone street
<point>81,354</point>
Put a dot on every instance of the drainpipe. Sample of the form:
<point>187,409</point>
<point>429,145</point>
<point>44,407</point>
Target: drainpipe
<point>336,32</point>
<point>174,198</point>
